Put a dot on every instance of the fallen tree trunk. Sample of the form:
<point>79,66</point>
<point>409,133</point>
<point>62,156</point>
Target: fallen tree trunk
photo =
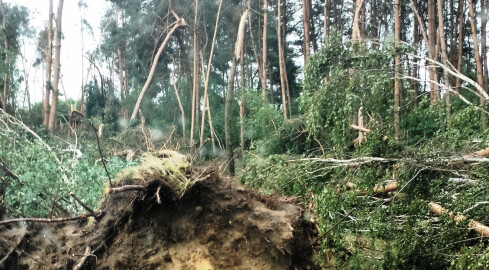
<point>392,186</point>
<point>478,227</point>
<point>336,163</point>
<point>481,153</point>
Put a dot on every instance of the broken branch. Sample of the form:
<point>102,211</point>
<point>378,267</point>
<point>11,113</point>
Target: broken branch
<point>359,128</point>
<point>124,189</point>
<point>7,171</point>
<point>51,220</point>
<point>100,152</point>
<point>82,203</point>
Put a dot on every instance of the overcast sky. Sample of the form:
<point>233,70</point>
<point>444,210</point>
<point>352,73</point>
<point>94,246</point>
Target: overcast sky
<point>71,58</point>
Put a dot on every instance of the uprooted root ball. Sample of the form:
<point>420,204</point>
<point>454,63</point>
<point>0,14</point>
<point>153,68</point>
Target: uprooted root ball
<point>210,222</point>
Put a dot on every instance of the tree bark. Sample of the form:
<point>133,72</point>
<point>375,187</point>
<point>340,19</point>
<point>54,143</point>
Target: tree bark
<point>281,62</point>
<point>356,35</point>
<point>397,65</point>
<point>49,63</point>
<point>478,61</point>
<point>180,22</point>
<point>431,47</point>
<point>57,66</point>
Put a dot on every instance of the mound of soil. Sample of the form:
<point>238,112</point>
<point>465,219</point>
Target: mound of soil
<point>216,224</point>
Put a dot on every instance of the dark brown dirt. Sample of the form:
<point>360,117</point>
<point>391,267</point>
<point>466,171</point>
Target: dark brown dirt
<point>217,224</point>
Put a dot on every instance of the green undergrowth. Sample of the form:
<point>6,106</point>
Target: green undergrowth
<point>391,231</point>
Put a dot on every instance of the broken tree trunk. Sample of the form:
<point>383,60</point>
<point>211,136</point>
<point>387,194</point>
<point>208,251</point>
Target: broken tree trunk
<point>179,23</point>
<point>476,226</point>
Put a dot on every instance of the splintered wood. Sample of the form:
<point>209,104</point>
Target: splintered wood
<point>392,186</point>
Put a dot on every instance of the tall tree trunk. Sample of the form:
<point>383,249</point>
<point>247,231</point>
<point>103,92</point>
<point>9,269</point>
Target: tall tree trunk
<point>306,25</point>
<point>49,63</point>
<point>415,68</point>
<point>478,60</point>
<point>227,116</point>
<point>397,66</point>
<point>446,62</point>
<point>461,23</point>
<point>241,101</point>
<point>326,18</point>
<point>230,90</point>
<point>196,82</point>
<point>57,65</point>
<point>264,51</point>
<point>484,41</point>
<point>356,34</point>
<point>5,47</point>
<point>363,19</point>
<point>432,38</point>
<point>182,111</point>
<point>312,27</point>
<point>121,69</point>
<point>282,60</point>
<point>206,85</point>
<point>374,24</point>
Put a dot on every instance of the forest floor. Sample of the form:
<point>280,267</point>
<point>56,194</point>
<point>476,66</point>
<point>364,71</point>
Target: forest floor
<point>215,224</point>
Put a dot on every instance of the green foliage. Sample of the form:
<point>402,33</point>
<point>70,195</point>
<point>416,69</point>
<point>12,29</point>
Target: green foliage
<point>339,79</point>
<point>42,179</point>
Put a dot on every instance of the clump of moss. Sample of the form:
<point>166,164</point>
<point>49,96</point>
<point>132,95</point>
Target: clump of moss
<point>166,166</point>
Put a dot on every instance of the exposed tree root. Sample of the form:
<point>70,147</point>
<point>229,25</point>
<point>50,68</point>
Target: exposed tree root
<point>12,249</point>
<point>82,261</point>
